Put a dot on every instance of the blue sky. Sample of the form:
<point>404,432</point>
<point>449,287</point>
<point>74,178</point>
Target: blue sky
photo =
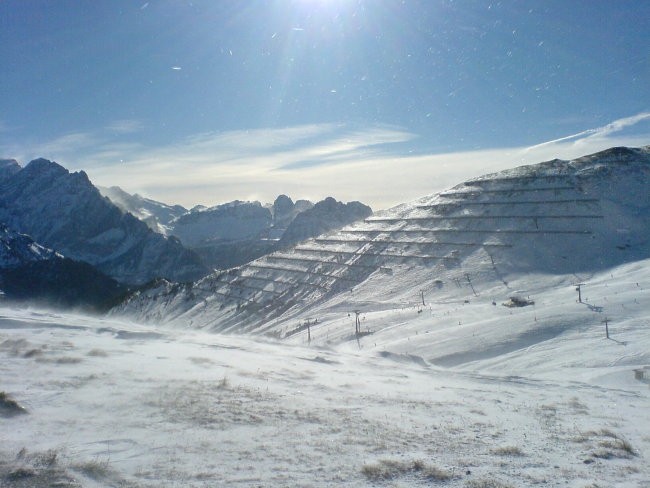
<point>378,100</point>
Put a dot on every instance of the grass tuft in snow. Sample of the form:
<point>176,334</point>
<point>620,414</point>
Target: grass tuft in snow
<point>38,470</point>
<point>388,469</point>
<point>618,448</point>
<point>33,353</point>
<point>10,407</point>
<point>487,483</point>
<point>508,451</point>
<point>607,444</point>
<point>98,353</point>
<point>224,383</point>
<point>96,469</point>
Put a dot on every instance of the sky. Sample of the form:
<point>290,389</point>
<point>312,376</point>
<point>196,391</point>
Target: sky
<point>382,101</point>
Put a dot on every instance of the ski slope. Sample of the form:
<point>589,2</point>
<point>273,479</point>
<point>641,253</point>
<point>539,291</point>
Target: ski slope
<point>556,403</point>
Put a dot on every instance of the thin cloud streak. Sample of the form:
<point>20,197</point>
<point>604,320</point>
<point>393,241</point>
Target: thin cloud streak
<point>310,161</point>
<point>126,126</point>
<point>606,130</point>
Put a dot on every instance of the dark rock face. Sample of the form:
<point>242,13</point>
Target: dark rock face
<point>64,211</point>
<point>228,222</point>
<point>61,282</point>
<point>326,215</point>
<point>8,167</point>
<point>283,208</point>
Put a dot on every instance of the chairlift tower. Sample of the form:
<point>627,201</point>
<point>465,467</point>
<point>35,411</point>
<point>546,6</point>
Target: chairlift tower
<point>579,290</point>
<point>357,322</point>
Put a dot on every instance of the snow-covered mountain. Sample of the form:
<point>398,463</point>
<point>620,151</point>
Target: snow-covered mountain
<point>226,235</point>
<point>238,232</point>
<point>65,212</point>
<point>156,215</point>
<point>562,221</point>
<point>35,274</point>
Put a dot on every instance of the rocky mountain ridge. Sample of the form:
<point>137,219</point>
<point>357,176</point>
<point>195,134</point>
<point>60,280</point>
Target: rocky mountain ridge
<point>65,212</point>
<point>156,215</point>
<point>234,233</point>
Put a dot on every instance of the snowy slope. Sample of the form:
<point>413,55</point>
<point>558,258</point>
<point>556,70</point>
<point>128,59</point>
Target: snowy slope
<point>65,212</point>
<point>117,404</point>
<point>559,221</point>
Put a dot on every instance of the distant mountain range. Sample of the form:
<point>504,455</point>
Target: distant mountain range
<point>234,233</point>
<point>59,233</point>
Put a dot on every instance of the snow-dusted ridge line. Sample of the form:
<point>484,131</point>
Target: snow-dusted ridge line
<point>65,212</point>
<point>401,255</point>
<point>18,249</point>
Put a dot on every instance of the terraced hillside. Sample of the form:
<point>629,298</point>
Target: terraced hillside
<point>558,218</point>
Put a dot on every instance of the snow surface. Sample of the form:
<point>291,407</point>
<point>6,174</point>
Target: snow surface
<point>547,401</point>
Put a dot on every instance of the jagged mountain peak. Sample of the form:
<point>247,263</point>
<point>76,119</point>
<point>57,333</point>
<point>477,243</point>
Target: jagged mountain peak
<point>8,167</point>
<point>64,211</point>
<point>321,217</point>
<point>156,215</point>
<point>40,165</point>
<point>282,207</point>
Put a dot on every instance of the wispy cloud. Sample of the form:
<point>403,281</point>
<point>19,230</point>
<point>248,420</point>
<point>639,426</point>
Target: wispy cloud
<point>599,132</point>
<point>241,164</point>
<point>371,164</point>
<point>125,126</point>
<point>68,144</point>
